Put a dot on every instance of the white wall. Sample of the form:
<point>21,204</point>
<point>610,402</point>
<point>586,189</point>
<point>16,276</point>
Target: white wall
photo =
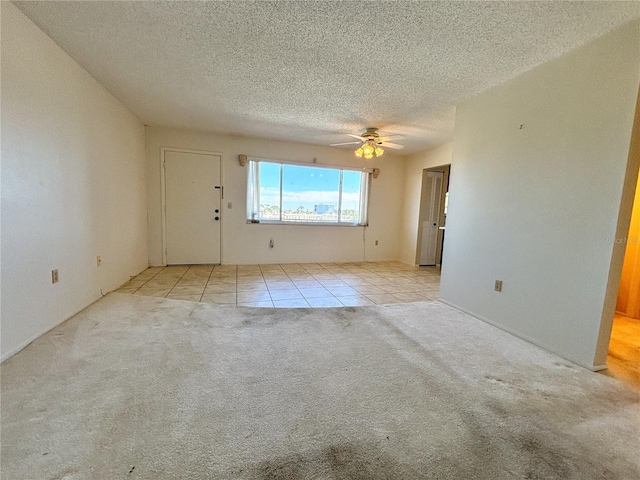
<point>414,165</point>
<point>73,185</point>
<point>244,243</point>
<point>537,206</point>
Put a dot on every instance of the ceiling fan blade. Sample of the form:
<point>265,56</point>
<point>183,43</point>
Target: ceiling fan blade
<point>347,143</point>
<point>390,137</point>
<point>359,137</point>
<point>392,145</point>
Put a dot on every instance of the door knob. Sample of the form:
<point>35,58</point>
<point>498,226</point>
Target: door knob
<point>217,218</point>
<point>217,210</point>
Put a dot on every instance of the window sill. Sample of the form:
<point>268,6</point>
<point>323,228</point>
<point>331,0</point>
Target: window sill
<point>308,224</point>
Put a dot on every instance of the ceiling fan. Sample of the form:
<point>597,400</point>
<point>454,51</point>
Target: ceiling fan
<point>371,143</point>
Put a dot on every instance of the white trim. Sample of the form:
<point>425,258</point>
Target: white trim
<point>32,339</point>
<point>163,196</point>
<point>223,206</point>
<point>163,207</point>
<point>310,164</point>
<point>253,177</point>
<point>526,338</point>
<point>340,185</point>
<point>24,345</point>
<point>280,200</point>
<point>307,224</point>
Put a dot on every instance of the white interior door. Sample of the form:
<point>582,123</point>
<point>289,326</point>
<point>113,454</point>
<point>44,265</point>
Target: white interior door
<point>432,193</point>
<point>192,208</point>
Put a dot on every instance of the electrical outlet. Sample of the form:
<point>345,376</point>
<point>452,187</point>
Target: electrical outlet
<point>54,276</point>
<point>98,261</point>
<point>498,286</point>
<point>376,242</point>
<point>271,243</point>
<point>229,205</point>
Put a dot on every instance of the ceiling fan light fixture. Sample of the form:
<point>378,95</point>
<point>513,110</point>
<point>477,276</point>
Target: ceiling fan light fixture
<point>369,149</point>
<point>370,143</point>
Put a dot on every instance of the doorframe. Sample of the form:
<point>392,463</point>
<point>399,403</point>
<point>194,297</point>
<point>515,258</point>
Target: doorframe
<point>163,195</point>
<point>616,261</point>
<point>446,170</point>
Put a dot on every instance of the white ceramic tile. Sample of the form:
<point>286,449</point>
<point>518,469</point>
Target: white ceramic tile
<point>355,301</point>
<point>315,292</point>
<point>292,303</point>
<point>324,302</point>
<point>287,294</point>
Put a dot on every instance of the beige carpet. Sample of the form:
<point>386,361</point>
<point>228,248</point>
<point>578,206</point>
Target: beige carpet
<point>149,388</point>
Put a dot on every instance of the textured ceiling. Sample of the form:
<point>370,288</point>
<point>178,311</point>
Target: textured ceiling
<point>308,71</point>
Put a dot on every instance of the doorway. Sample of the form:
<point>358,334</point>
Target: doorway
<point>622,333</point>
<point>433,214</point>
<point>192,213</point>
<point>623,359</point>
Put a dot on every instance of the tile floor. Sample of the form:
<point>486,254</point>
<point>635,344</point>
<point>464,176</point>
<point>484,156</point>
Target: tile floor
<point>290,285</point>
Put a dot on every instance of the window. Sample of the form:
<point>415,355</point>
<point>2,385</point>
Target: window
<point>291,193</point>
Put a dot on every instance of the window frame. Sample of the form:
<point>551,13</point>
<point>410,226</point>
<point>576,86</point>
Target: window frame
<point>253,190</point>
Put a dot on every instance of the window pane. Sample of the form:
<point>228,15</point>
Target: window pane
<point>279,192</point>
<point>269,191</point>
<point>310,194</point>
<point>351,193</point>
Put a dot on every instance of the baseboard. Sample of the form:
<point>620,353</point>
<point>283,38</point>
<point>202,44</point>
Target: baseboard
<point>593,368</point>
<point>25,344</point>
